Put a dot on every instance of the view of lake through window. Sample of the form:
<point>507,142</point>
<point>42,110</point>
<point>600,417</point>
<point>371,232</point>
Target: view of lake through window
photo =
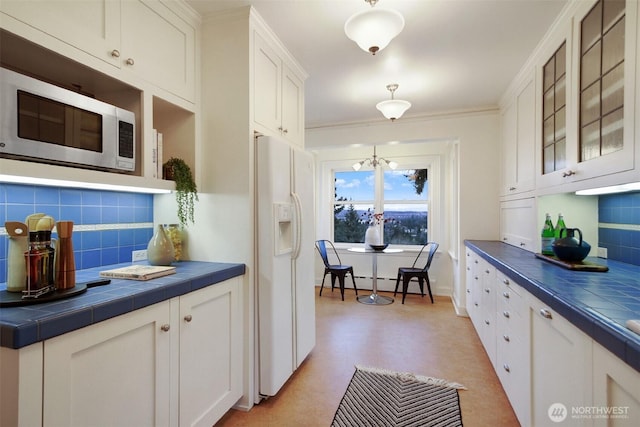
<point>402,197</point>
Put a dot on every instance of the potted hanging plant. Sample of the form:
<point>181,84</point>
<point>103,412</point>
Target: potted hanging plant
<point>186,191</point>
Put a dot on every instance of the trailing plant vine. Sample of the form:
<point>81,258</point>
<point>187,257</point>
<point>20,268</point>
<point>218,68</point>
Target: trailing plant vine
<point>186,189</point>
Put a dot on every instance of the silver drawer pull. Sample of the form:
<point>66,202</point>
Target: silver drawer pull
<point>506,367</point>
<point>188,318</point>
<point>505,314</point>
<point>506,282</point>
<point>487,290</point>
<point>506,338</point>
<point>487,271</point>
<point>165,327</point>
<point>129,61</point>
<point>115,53</point>
<point>475,303</point>
<point>545,313</point>
<point>505,294</point>
<point>468,291</point>
<point>487,322</point>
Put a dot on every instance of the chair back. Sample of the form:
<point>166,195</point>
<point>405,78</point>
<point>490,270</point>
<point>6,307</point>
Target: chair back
<point>321,246</point>
<point>433,247</point>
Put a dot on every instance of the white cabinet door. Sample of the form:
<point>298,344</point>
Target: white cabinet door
<point>159,46</point>
<point>518,141</point>
<point>518,224</point>
<point>292,106</point>
<point>616,388</point>
<point>210,353</point>
<point>474,289</point>
<point>112,373</point>
<point>561,363</point>
<point>266,85</point>
<point>92,26</point>
<point>487,274</point>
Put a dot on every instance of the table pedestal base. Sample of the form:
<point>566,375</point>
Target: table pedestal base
<point>375,299</point>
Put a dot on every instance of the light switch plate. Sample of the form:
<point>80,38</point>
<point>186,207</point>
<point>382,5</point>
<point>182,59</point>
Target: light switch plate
<point>602,252</point>
<point>139,255</point>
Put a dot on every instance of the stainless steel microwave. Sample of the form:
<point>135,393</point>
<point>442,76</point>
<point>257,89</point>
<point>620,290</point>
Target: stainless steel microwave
<point>49,124</point>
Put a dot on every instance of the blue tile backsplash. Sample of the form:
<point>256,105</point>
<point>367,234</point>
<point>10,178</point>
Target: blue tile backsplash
<point>619,226</point>
<point>108,225</point>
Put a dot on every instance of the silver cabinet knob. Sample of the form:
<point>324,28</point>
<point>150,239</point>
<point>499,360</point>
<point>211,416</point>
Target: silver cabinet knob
<point>487,290</point>
<point>506,295</point>
<point>506,338</point>
<point>568,173</point>
<point>129,61</point>
<point>506,314</point>
<point>506,367</point>
<point>506,282</point>
<point>545,313</point>
<point>188,318</point>
<point>165,327</point>
<point>487,322</point>
<point>115,53</point>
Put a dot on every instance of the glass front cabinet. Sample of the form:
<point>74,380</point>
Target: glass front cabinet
<point>588,82</point>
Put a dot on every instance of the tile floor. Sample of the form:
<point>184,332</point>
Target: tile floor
<point>419,337</point>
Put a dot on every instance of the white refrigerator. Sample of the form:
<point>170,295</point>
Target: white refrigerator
<point>285,272</point>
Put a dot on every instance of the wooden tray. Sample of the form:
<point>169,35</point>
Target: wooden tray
<point>578,266</point>
<point>14,299</point>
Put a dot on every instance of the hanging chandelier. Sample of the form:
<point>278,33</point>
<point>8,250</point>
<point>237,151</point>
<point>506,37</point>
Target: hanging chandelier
<point>393,108</point>
<point>374,28</point>
<point>374,161</point>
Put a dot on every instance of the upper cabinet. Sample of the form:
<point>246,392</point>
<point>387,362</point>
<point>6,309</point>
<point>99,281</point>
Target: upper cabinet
<point>587,119</point>
<point>140,39</point>
<point>278,107</point>
<point>140,55</point>
<point>518,139</point>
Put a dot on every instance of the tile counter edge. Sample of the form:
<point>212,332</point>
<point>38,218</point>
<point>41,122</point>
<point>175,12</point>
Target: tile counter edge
<point>25,325</point>
<point>609,333</point>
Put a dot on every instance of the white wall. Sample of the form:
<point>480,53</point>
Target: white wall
<point>476,196</point>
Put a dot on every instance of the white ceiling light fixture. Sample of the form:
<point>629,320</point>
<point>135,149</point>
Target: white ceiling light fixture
<point>393,108</point>
<point>374,161</point>
<point>374,28</point>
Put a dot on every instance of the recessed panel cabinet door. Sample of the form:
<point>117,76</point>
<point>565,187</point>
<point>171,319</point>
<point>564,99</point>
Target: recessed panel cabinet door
<point>159,46</point>
<point>210,353</point>
<point>292,106</point>
<point>267,86</point>
<point>113,373</point>
<point>92,26</point>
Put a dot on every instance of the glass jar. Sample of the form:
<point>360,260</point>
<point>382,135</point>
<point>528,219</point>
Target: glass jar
<point>174,232</point>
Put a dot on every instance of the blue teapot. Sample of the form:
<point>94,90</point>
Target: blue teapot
<point>570,248</point>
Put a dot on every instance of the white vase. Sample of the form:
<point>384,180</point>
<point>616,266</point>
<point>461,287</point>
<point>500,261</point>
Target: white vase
<point>372,236</point>
<point>160,249</point>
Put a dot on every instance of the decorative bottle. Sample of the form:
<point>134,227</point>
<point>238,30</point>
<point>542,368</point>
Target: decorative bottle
<point>372,236</point>
<point>559,226</point>
<point>547,236</point>
<point>160,249</point>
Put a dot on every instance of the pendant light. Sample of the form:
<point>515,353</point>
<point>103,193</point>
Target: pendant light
<point>373,161</point>
<point>393,108</point>
<point>374,28</point>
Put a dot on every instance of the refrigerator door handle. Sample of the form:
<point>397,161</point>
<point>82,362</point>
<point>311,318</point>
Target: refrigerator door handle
<point>297,225</point>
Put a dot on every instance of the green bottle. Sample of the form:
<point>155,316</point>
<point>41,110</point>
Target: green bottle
<point>547,236</point>
<point>559,226</point>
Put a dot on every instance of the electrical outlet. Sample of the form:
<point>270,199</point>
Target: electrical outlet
<point>602,252</point>
<point>139,255</point>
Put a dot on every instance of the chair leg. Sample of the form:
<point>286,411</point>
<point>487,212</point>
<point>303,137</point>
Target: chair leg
<point>333,281</point>
<point>405,286</point>
<point>429,288</point>
<point>421,283</point>
<point>322,285</point>
<point>341,280</point>
<point>353,279</point>
<point>397,283</point>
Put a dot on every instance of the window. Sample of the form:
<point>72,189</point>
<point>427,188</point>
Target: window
<point>602,79</point>
<point>403,196</point>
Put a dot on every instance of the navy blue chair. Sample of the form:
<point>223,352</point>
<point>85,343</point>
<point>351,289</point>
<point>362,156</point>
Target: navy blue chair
<point>420,273</point>
<point>338,270</point>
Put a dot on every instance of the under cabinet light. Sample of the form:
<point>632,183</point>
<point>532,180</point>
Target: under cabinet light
<point>75,184</point>
<point>623,188</point>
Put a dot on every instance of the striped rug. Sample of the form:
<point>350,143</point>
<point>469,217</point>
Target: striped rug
<point>381,398</point>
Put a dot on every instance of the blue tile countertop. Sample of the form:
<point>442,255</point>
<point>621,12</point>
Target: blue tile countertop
<point>597,303</point>
<point>24,325</point>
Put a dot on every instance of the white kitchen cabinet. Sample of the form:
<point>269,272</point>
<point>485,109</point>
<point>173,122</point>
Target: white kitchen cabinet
<point>561,362</point>
<point>210,353</point>
<point>616,389</point>
<point>487,332</point>
<point>278,106</point>
<point>474,288</point>
<point>92,26</point>
<point>513,346</point>
<point>140,39</point>
<point>618,161</point>
<point>518,120</point>
<point>21,386</point>
<point>115,372</point>
<point>518,223</point>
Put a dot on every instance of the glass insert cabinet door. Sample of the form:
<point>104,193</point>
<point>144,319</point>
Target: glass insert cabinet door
<point>602,51</point>
<point>554,111</point>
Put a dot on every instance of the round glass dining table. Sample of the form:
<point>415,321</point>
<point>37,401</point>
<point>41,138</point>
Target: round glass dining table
<point>374,298</point>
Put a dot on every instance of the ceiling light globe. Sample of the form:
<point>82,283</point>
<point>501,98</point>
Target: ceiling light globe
<point>374,28</point>
<point>393,108</point>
